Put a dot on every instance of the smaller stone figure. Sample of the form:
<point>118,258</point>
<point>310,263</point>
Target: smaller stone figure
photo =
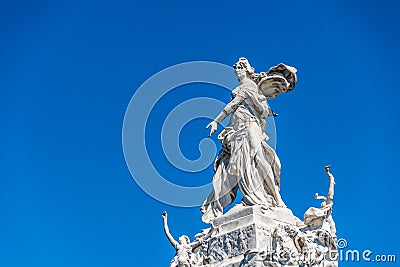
<point>184,256</point>
<point>321,217</point>
<point>328,201</point>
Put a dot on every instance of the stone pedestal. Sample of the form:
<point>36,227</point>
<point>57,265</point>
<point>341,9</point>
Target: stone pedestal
<point>258,236</point>
<point>243,230</point>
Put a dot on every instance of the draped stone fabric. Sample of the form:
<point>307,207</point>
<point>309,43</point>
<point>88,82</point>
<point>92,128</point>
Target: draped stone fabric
<point>246,162</point>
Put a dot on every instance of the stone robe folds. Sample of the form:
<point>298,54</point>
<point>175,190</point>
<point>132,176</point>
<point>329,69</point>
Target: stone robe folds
<point>246,162</point>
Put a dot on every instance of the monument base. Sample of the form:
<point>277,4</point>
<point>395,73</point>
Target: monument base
<point>263,236</point>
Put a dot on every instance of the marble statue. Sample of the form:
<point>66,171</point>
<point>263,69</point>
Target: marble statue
<point>261,231</point>
<point>246,162</point>
<point>315,242</point>
<point>322,217</point>
<point>184,248</point>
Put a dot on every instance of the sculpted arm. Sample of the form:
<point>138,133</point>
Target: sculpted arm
<point>331,183</point>
<point>318,197</point>
<point>173,242</point>
<point>229,108</point>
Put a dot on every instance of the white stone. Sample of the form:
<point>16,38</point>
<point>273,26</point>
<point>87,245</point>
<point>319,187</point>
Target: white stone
<point>261,231</point>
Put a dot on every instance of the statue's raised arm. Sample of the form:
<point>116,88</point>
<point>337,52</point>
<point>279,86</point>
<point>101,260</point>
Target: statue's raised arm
<point>171,239</point>
<point>331,184</point>
<point>183,247</point>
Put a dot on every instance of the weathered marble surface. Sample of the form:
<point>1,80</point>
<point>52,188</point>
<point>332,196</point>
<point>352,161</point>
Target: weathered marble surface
<point>245,229</point>
<point>260,235</point>
<point>246,162</point>
<point>261,231</point>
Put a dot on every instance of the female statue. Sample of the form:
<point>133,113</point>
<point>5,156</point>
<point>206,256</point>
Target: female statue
<point>246,162</point>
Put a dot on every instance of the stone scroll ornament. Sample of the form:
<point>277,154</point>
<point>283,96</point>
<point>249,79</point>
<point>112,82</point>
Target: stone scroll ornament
<point>261,230</point>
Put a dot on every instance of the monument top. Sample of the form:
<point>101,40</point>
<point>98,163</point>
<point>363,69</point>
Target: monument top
<point>261,231</point>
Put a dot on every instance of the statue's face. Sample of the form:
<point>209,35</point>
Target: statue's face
<point>271,92</point>
<point>242,67</point>
<point>240,73</point>
<point>183,240</point>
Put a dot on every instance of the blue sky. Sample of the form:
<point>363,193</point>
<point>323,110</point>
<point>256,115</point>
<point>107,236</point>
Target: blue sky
<point>69,70</point>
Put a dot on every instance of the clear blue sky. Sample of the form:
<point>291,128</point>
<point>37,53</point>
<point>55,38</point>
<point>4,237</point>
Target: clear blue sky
<point>69,69</point>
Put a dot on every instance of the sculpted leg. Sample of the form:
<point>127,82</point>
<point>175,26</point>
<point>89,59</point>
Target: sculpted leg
<point>268,178</point>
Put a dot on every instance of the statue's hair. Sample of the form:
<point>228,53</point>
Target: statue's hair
<point>243,63</point>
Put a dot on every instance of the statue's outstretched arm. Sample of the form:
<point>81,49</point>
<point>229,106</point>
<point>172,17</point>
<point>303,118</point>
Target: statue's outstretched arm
<point>331,183</point>
<point>173,242</point>
<point>229,108</point>
<point>331,190</point>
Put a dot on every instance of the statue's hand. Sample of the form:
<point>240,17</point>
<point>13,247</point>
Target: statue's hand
<point>164,214</point>
<point>327,168</point>
<point>214,127</point>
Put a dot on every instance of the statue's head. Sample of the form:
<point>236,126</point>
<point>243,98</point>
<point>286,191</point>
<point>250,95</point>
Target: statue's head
<point>184,239</point>
<point>242,68</point>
